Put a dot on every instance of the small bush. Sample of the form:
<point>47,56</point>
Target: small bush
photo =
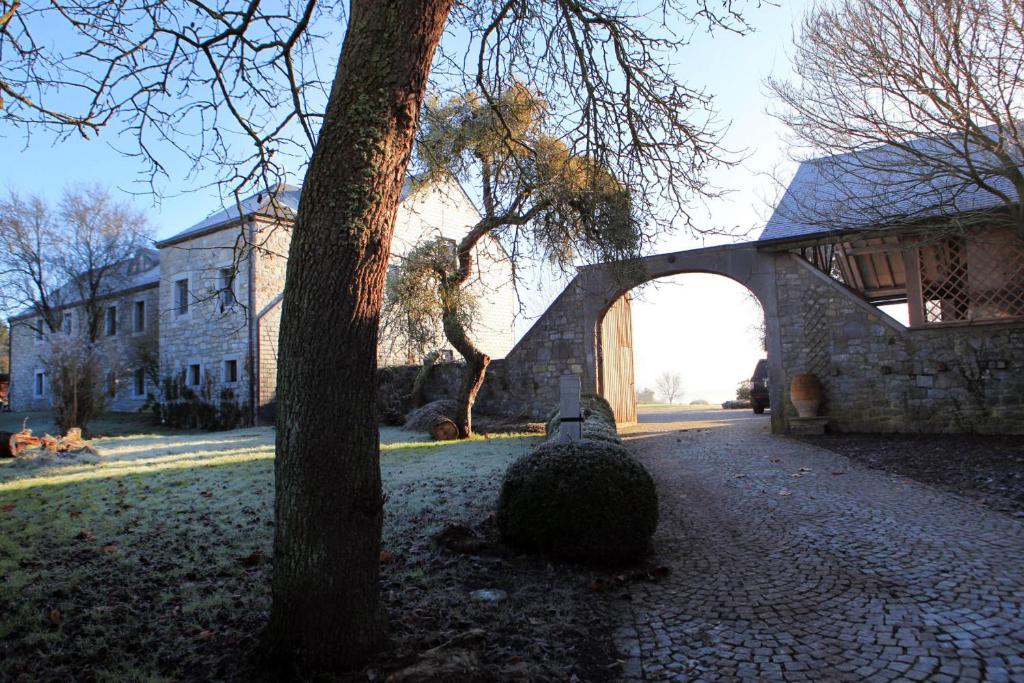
<point>585,500</point>
<point>183,408</point>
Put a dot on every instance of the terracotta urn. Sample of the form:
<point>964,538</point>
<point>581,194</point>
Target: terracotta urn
<point>805,394</point>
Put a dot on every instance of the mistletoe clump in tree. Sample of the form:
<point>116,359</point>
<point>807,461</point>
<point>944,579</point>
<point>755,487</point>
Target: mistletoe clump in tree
<point>537,196</point>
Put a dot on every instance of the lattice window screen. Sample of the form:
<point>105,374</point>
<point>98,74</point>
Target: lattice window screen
<point>972,279</point>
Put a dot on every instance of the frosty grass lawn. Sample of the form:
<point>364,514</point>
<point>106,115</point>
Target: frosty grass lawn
<point>153,563</point>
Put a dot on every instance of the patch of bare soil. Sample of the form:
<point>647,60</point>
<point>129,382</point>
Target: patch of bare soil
<point>989,469</point>
<point>464,607</point>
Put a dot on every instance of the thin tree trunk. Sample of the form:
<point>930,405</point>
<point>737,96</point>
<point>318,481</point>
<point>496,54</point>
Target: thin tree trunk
<point>326,612</point>
<point>473,376</point>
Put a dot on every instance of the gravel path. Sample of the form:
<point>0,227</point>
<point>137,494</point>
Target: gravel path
<point>790,562</point>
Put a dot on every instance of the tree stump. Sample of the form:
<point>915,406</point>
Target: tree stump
<point>13,443</point>
<point>444,430</point>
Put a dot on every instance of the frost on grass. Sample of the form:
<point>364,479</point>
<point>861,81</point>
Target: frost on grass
<point>155,562</point>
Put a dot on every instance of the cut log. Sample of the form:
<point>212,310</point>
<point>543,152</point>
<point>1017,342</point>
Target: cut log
<point>444,430</point>
<point>13,444</point>
<point>8,445</point>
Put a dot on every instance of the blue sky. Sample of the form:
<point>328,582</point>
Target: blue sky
<point>697,325</point>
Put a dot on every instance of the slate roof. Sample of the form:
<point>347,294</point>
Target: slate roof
<point>286,198</point>
<point>138,272</point>
<point>881,187</point>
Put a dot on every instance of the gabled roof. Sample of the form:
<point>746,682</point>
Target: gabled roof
<point>140,271</point>
<point>280,202</point>
<point>881,187</point>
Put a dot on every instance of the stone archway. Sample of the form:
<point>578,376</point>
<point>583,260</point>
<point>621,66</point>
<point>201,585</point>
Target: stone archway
<point>604,284</point>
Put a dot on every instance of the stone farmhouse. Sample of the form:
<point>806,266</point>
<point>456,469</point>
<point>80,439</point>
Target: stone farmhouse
<point>210,296</point>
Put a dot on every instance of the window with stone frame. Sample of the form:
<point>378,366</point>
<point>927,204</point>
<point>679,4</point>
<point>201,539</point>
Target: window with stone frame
<point>194,375</point>
<point>139,317</point>
<point>226,288</point>
<point>110,317</point>
<point>181,297</point>
<point>139,383</point>
<point>230,371</point>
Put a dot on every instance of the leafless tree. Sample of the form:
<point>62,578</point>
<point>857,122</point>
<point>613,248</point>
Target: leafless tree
<point>670,386</point>
<point>5,348</point>
<point>238,86</point>
<point>71,255</point>
<point>922,99</point>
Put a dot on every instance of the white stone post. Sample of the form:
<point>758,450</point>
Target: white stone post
<point>570,413</point>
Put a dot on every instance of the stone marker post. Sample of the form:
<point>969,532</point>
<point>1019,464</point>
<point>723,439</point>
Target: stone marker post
<point>569,409</point>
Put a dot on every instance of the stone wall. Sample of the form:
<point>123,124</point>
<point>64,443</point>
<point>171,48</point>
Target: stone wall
<point>210,334</point>
<point>119,351</point>
<point>880,376</point>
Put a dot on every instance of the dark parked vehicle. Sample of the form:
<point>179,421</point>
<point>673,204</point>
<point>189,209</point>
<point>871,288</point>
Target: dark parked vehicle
<point>759,387</point>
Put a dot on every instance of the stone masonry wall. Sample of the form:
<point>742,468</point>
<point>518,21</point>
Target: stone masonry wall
<point>119,349</point>
<point>208,334</point>
<point>879,376</point>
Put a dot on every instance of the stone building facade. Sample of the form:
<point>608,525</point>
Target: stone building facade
<point>213,299</point>
<point>129,328</point>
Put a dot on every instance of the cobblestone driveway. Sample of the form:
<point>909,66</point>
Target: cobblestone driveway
<point>792,563</point>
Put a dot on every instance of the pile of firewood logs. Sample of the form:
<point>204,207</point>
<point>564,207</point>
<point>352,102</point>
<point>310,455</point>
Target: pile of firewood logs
<point>13,444</point>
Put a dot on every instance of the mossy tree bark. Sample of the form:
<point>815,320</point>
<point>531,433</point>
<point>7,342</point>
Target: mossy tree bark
<point>326,612</point>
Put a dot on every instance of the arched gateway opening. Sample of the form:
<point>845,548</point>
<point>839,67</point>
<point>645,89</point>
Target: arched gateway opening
<point>684,340</point>
<point>607,345</point>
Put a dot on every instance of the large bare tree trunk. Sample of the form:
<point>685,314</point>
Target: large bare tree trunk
<point>328,504</point>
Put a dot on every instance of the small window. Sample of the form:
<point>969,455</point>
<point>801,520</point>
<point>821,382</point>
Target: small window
<point>69,323</point>
<point>195,375</point>
<point>227,288</point>
<point>230,371</point>
<point>139,382</point>
<point>111,318</point>
<point>181,296</point>
<point>39,387</point>
<point>139,322</point>
<point>39,330</point>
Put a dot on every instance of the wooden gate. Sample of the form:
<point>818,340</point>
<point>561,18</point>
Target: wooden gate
<point>618,383</point>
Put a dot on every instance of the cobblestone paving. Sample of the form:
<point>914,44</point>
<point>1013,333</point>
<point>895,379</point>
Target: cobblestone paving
<point>792,563</point>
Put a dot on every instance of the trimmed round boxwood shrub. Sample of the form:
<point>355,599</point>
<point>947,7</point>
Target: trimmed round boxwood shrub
<point>598,420</point>
<point>584,500</point>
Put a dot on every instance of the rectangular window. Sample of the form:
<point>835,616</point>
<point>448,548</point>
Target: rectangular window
<point>230,371</point>
<point>195,375</point>
<point>40,384</point>
<point>139,382</point>
<point>69,323</point>
<point>227,288</point>
<point>39,330</point>
<point>181,296</point>
<point>139,322</point>
<point>111,318</point>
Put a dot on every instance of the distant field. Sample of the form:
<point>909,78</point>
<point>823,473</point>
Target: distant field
<point>675,407</point>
